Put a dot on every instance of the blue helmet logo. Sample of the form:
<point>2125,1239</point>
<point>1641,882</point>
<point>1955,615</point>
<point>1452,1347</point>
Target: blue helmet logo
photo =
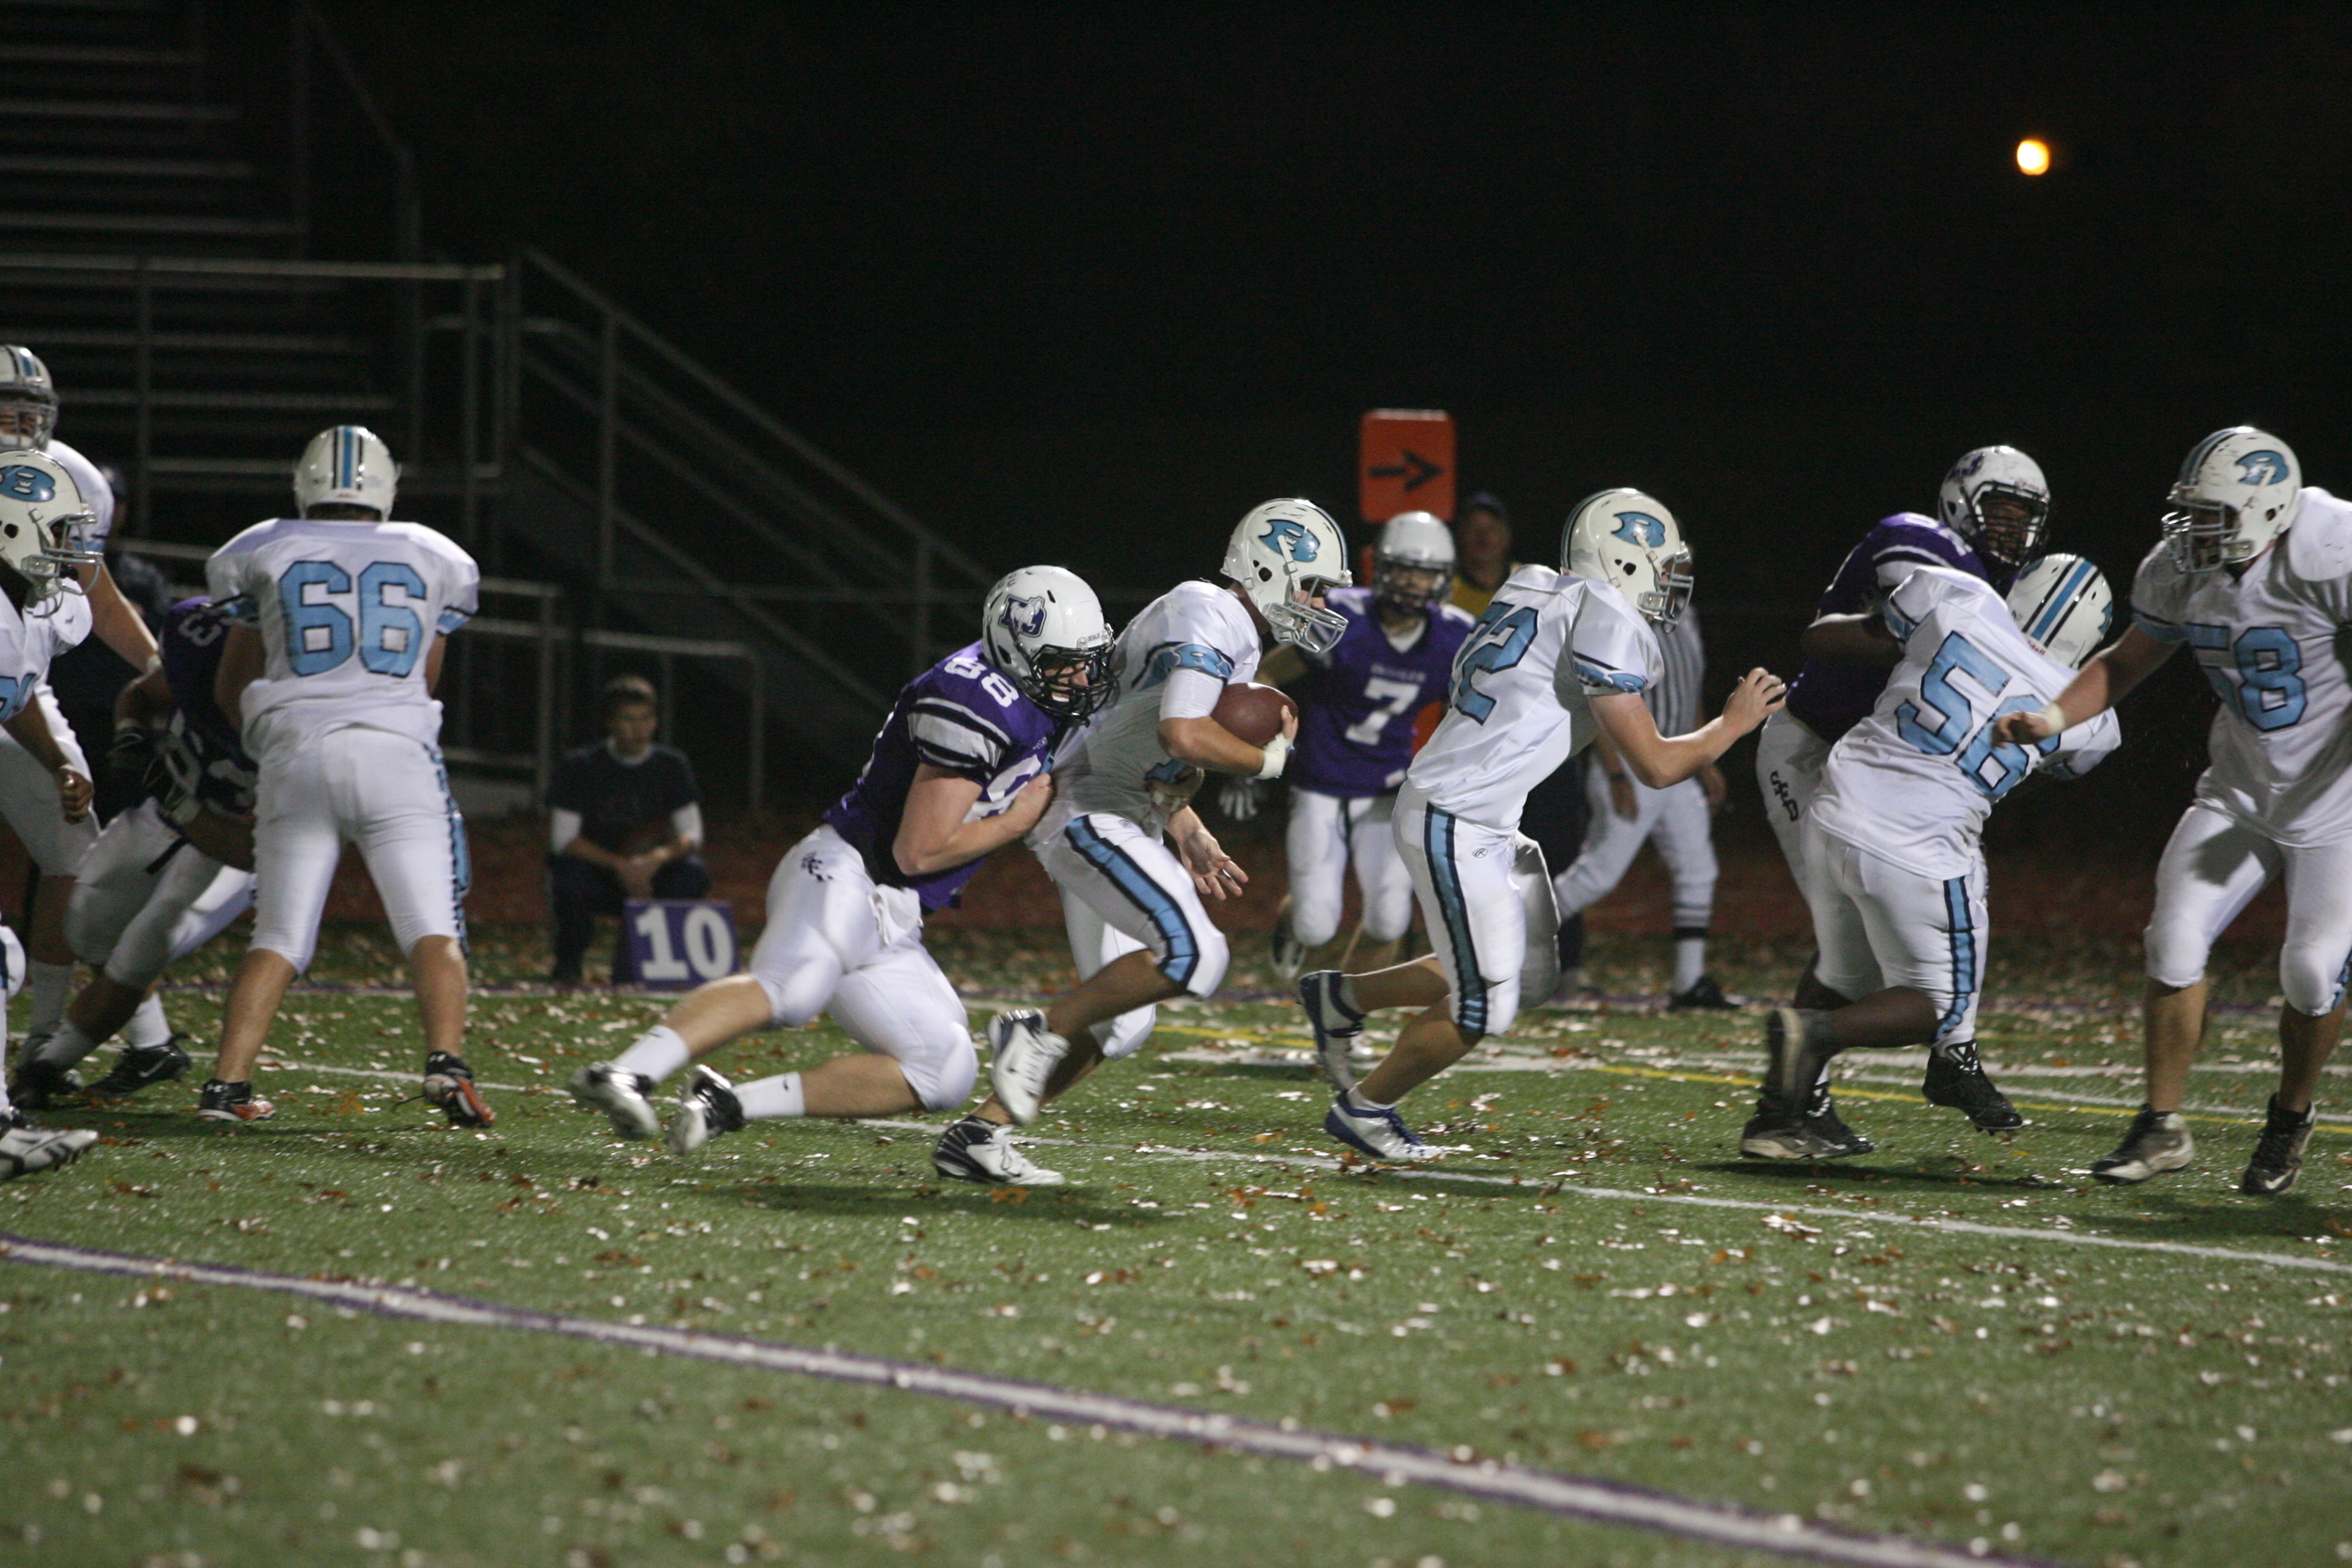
<point>24,482</point>
<point>1640,528</point>
<point>1023,616</point>
<point>1284,535</point>
<point>2265,467</point>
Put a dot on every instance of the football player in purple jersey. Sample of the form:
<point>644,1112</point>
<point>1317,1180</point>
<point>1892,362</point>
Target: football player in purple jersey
<point>167,876</point>
<point>1358,702</point>
<point>960,769</point>
<point>1993,512</point>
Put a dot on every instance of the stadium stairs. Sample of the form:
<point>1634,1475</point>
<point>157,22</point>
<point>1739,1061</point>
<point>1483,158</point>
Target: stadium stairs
<point>204,312</point>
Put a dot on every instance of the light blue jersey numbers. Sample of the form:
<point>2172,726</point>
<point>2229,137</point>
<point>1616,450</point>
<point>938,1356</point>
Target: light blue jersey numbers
<point>2268,692</point>
<point>1963,689</point>
<point>322,632</point>
<point>1497,642</point>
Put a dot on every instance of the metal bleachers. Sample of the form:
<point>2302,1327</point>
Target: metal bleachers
<point>203,314</point>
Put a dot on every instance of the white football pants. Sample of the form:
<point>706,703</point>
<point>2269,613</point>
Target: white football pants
<point>1134,883</point>
<point>1325,833</point>
<point>837,942</point>
<point>28,797</point>
<point>1675,818</point>
<point>386,793</point>
<point>1789,759</point>
<point>1489,903</point>
<point>146,897</point>
<point>1878,924</point>
<point>2211,870</point>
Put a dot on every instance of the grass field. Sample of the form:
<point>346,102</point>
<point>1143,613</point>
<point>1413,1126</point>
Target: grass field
<point>1928,1342</point>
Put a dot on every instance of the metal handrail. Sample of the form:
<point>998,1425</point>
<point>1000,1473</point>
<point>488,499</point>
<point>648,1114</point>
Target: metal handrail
<point>758,417</point>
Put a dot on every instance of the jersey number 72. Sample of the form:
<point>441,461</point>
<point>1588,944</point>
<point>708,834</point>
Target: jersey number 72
<point>1497,642</point>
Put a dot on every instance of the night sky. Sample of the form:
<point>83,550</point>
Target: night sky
<point>1086,282</point>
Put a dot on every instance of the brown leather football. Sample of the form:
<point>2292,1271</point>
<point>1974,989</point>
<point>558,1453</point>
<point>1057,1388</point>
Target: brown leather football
<point>1252,712</point>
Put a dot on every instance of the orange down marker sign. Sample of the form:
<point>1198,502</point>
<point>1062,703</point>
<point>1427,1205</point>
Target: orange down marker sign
<point>1406,464</point>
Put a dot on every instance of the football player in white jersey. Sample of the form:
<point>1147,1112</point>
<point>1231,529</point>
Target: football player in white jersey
<point>28,799</point>
<point>40,507</point>
<point>1123,794</point>
<point>332,690</point>
<point>1558,657</point>
<point>2254,575</point>
<point>1894,862</point>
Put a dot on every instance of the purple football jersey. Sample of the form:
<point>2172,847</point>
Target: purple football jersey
<point>1356,706</point>
<point>962,716</point>
<point>1832,696</point>
<point>203,749</point>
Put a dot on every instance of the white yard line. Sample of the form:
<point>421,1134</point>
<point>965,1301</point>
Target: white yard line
<point>1601,1501</point>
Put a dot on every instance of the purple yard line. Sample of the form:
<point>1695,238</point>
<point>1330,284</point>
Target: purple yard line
<point>1603,1502</point>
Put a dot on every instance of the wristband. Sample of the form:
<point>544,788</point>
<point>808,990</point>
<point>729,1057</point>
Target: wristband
<point>1277,752</point>
<point>2055,717</point>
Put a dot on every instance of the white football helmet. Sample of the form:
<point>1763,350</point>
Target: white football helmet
<point>1283,554</point>
<point>1043,627</point>
<point>2012,530</point>
<point>2063,605</point>
<point>1630,541</point>
<point>24,383</point>
<point>2238,491</point>
<point>1412,563</point>
<point>346,466</point>
<point>41,510</point>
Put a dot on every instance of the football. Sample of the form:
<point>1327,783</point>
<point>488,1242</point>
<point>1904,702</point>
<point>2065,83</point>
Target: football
<point>1252,712</point>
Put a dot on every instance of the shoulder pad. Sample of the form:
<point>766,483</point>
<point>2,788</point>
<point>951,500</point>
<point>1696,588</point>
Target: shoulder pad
<point>2319,546</point>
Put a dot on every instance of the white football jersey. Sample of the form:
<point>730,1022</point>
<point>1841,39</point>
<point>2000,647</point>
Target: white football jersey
<point>1519,705</point>
<point>96,493</point>
<point>2267,639</point>
<point>1913,782</point>
<point>347,611</point>
<point>29,639</point>
<point>1175,659</point>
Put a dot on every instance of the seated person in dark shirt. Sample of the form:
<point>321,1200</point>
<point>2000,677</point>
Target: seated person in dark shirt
<point>624,821</point>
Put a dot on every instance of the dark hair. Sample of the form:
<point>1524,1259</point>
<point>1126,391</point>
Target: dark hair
<point>1486,501</point>
<point>626,691</point>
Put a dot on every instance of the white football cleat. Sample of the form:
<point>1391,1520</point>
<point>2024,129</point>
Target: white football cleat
<point>25,1149</point>
<point>976,1149</point>
<point>1023,1053</point>
<point>621,1096</point>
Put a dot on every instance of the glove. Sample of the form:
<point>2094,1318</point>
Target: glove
<point>132,752</point>
<point>1238,800</point>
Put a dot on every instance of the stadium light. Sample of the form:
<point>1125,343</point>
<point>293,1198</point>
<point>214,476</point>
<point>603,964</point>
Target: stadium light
<point>2033,156</point>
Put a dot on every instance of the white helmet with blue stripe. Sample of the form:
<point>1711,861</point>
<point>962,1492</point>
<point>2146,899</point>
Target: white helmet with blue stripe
<point>2063,605</point>
<point>1630,541</point>
<point>2238,490</point>
<point>24,383</point>
<point>41,512</point>
<point>346,466</point>
<point>1283,554</point>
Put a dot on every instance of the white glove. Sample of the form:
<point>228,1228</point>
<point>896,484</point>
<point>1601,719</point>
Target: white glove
<point>1238,799</point>
<point>1277,752</point>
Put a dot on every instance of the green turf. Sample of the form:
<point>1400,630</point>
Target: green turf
<point>1557,1296</point>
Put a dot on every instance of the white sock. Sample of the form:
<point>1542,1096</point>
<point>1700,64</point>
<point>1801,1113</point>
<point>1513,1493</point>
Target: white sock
<point>1364,1106</point>
<point>771,1099</point>
<point>148,1026</point>
<point>659,1053</point>
<point>45,988</point>
<point>1690,961</point>
<point>66,1046</point>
